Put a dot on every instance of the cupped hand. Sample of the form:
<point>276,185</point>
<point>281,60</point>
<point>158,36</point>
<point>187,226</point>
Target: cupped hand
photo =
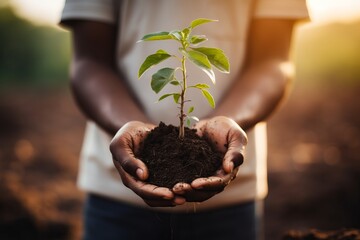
<point>226,136</point>
<point>133,171</point>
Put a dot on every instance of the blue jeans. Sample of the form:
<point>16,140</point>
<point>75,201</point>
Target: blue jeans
<point>107,219</point>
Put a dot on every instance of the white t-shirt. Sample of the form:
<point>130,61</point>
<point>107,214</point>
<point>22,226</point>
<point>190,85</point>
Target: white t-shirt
<point>136,18</point>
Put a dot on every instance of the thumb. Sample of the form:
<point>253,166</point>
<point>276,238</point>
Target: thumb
<point>234,156</point>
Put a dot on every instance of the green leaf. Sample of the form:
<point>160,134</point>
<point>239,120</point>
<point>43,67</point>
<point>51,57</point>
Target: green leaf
<point>200,21</point>
<point>197,39</point>
<point>201,86</point>
<point>165,96</point>
<point>185,32</point>
<point>175,83</point>
<point>208,97</point>
<point>202,62</point>
<point>176,35</point>
<point>216,57</point>
<point>176,97</point>
<point>157,36</point>
<point>152,60</point>
<point>191,109</point>
<point>161,78</point>
<point>188,122</point>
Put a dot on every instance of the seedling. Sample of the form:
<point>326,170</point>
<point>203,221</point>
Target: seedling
<point>203,57</point>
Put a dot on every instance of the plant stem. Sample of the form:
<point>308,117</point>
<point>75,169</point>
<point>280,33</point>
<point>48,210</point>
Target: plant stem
<point>182,100</point>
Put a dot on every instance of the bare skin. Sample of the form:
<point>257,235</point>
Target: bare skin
<point>127,140</point>
<point>103,95</point>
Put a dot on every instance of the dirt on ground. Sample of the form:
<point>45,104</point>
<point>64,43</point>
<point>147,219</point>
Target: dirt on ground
<point>314,164</point>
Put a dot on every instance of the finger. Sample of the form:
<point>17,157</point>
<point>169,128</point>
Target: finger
<point>209,184</point>
<point>234,157</point>
<point>232,160</point>
<point>233,174</point>
<point>149,193</point>
<point>153,201</point>
<point>215,183</point>
<point>178,200</point>
<point>200,126</point>
<point>122,149</point>
<point>145,190</point>
<point>130,163</point>
<point>181,188</point>
<point>192,195</point>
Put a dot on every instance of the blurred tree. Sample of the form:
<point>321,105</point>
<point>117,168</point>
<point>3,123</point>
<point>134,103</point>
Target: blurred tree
<point>31,55</point>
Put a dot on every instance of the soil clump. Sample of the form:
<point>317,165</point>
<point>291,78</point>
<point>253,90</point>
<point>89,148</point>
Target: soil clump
<point>171,160</point>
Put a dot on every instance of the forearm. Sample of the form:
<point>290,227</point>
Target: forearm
<point>256,95</point>
<point>103,96</point>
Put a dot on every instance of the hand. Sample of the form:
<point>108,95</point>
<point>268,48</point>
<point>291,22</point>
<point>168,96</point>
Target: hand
<point>133,171</point>
<point>226,136</point>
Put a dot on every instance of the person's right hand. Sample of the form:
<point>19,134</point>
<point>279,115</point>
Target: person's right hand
<point>228,137</point>
<point>133,171</point>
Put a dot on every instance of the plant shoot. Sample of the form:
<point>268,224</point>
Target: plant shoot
<point>203,57</point>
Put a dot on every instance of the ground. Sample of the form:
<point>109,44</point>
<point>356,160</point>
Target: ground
<point>314,163</point>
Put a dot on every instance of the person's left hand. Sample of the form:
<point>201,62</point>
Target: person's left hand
<point>227,137</point>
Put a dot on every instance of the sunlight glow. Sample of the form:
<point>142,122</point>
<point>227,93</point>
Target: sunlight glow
<point>39,11</point>
<point>49,11</point>
<point>333,10</point>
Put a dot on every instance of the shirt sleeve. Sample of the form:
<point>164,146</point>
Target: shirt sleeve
<point>289,9</point>
<point>97,10</point>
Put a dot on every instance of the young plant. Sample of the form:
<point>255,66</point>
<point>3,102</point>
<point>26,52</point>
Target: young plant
<point>203,57</point>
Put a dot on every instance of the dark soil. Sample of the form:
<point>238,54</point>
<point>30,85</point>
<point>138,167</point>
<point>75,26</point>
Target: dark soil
<point>343,234</point>
<point>171,160</point>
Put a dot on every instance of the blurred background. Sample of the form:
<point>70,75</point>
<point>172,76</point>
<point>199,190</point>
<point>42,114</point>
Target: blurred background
<point>314,139</point>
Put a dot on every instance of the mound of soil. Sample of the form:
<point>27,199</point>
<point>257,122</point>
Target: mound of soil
<point>343,234</point>
<point>171,160</point>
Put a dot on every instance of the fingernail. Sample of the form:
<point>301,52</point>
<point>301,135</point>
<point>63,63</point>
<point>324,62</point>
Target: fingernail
<point>179,200</point>
<point>198,184</point>
<point>168,197</point>
<point>178,190</point>
<point>140,173</point>
<point>238,160</point>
